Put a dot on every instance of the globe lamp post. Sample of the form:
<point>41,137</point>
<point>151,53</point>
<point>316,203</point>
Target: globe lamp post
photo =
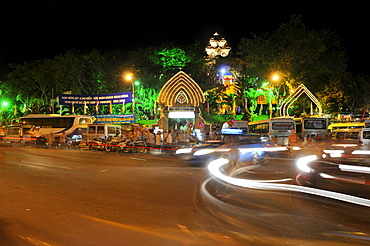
<point>129,77</point>
<point>4,105</point>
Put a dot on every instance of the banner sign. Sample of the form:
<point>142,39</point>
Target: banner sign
<point>114,119</point>
<point>101,99</point>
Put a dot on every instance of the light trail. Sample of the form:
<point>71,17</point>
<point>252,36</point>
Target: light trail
<point>214,168</point>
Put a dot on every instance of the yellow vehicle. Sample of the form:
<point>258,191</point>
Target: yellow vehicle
<point>348,135</point>
<point>348,125</point>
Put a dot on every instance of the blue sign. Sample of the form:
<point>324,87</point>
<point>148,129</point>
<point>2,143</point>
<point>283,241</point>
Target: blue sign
<point>100,99</point>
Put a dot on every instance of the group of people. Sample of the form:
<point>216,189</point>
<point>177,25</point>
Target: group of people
<point>308,141</point>
<point>35,133</point>
<point>158,138</point>
<point>153,138</point>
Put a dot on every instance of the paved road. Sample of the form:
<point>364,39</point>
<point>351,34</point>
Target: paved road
<point>71,197</point>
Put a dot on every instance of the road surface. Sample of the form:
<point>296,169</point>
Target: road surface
<point>72,197</point>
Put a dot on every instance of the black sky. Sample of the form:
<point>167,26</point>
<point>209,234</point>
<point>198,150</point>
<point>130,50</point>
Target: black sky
<point>43,29</point>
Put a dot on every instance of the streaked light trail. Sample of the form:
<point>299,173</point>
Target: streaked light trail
<point>214,169</point>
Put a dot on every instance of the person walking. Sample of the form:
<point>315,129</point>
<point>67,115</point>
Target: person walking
<point>62,139</point>
<point>151,139</point>
<point>159,140</point>
<point>51,139</point>
<point>292,141</point>
<point>167,139</point>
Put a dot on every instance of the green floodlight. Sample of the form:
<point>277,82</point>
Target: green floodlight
<point>5,104</point>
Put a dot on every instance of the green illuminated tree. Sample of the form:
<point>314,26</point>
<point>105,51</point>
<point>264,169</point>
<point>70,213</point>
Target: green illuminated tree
<point>40,81</point>
<point>147,101</point>
<point>170,58</point>
<point>250,96</point>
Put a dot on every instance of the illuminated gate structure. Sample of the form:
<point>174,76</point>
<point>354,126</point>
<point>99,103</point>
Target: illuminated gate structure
<point>180,100</point>
<point>287,103</point>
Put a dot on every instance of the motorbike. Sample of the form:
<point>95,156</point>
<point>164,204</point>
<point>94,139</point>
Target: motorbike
<point>97,144</point>
<point>73,143</point>
<point>112,146</point>
<point>129,146</point>
<point>41,142</point>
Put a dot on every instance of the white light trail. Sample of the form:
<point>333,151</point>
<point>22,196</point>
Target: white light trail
<point>354,169</point>
<point>214,169</point>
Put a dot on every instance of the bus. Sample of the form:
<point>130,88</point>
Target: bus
<point>277,127</point>
<point>314,126</point>
<point>310,126</point>
<point>348,125</point>
<point>55,123</point>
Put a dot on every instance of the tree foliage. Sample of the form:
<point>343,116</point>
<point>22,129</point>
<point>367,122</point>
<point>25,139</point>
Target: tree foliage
<point>170,58</point>
<point>299,55</point>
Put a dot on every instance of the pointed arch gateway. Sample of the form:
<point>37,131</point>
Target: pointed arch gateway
<point>180,98</point>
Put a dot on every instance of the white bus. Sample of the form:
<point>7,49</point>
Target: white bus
<point>310,126</point>
<point>314,126</point>
<point>278,127</point>
<point>70,124</point>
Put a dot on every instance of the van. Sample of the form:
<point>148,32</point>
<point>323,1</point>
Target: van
<point>237,125</point>
<point>11,135</point>
<point>365,135</point>
<point>102,131</point>
<point>241,125</point>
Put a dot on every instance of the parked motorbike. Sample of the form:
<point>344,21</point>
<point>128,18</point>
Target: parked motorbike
<point>73,144</point>
<point>112,145</point>
<point>41,142</point>
<point>129,146</point>
<point>97,144</point>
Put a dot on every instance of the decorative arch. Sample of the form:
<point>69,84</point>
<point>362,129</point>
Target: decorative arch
<point>287,103</point>
<point>181,90</point>
<point>181,97</point>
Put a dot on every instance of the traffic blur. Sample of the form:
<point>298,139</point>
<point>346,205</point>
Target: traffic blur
<point>344,170</point>
<point>324,183</point>
<point>245,149</point>
<point>258,192</point>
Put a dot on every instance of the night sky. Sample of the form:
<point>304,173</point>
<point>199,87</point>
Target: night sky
<point>41,30</point>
